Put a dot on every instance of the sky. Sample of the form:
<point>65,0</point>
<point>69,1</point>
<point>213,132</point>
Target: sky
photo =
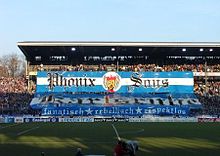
<point>107,20</point>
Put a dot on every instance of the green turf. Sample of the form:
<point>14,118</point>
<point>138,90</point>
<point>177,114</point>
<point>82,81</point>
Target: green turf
<point>156,139</point>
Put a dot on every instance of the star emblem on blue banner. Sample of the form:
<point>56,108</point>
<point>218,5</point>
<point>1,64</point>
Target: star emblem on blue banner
<point>89,111</point>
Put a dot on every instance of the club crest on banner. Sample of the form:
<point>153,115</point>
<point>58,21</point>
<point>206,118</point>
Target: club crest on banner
<point>111,81</point>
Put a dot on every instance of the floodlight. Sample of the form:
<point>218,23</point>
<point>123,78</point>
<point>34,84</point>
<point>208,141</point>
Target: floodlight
<point>73,49</point>
<point>184,49</point>
<point>201,49</point>
<point>140,49</point>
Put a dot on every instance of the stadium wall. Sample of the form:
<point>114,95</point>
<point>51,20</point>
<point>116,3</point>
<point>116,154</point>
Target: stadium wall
<point>106,119</point>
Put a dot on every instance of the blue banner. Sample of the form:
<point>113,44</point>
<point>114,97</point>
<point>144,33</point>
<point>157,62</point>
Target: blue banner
<point>44,100</point>
<point>119,82</point>
<point>80,93</point>
<point>128,110</point>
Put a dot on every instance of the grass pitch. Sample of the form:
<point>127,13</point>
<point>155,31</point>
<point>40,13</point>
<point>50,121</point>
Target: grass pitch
<point>155,139</point>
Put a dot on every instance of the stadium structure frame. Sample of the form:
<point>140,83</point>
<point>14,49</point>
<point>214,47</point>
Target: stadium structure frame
<point>58,53</point>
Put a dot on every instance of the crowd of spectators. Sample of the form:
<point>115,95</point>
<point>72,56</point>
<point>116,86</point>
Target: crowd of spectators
<point>211,104</point>
<point>14,92</point>
<point>211,88</point>
<point>13,95</point>
<point>136,68</point>
<point>209,96</point>
<point>12,85</point>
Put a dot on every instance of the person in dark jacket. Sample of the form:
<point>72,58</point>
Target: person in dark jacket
<point>79,152</point>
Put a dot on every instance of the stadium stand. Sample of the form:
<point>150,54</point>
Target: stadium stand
<point>16,93</point>
<point>14,97</point>
<point>138,67</point>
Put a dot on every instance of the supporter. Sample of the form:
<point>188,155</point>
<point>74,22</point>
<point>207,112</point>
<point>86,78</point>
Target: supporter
<point>79,152</point>
<point>119,149</point>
